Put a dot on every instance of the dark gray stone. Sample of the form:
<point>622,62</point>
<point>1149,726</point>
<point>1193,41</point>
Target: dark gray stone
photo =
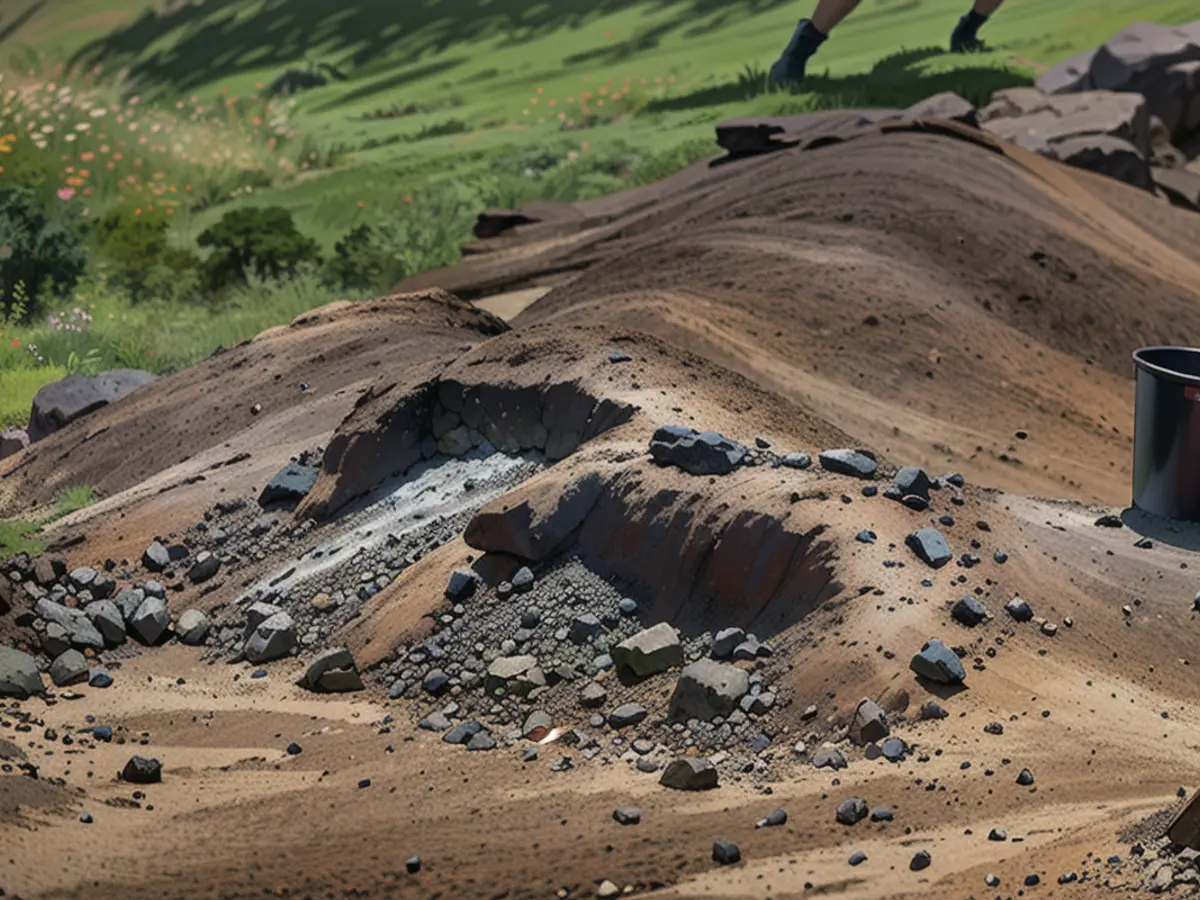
<point>946,105</point>
<point>593,695</point>
<point>1025,778</point>
<point>699,453</point>
<point>856,463</point>
<point>857,858</point>
<point>155,557</point>
<point>913,481</point>
<point>629,815</point>
<point>13,441</point>
<point>108,620</point>
<point>969,611</point>
<point>894,749</point>
<point>829,758</point>
<point>149,624</point>
<point>725,853</point>
<point>332,672</point>
<point>69,668</point>
<point>921,860</point>
<point>627,714</point>
<point>726,641</point>
<point>522,581</point>
<point>58,404</point>
<point>930,547</point>
<point>435,682</point>
<point>937,662</point>
<point>649,652</point>
<point>435,721</point>
<point>585,628</point>
<point>192,627</point>
<point>462,584</point>
<point>481,740</point>
<point>852,811</point>
<point>1019,609</point>
<point>205,567</point>
<point>796,461</point>
<point>290,485</point>
<point>1107,155</point>
<point>462,732</point>
<point>774,820</point>
<point>274,638</point>
<point>141,770</point>
<point>869,723</point>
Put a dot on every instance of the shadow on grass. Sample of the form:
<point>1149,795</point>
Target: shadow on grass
<point>896,81</point>
<point>209,40</point>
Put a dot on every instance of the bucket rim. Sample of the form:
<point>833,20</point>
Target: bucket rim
<point>1139,360</point>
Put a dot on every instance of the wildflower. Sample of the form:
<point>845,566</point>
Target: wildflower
<point>66,193</point>
<point>16,343</point>
<point>361,204</point>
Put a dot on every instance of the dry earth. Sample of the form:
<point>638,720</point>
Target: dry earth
<point>916,293</point>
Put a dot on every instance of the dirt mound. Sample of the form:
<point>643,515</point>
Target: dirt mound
<point>933,296</point>
<point>287,383</point>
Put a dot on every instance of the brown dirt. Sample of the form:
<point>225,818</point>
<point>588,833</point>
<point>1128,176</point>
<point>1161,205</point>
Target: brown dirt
<point>741,294</point>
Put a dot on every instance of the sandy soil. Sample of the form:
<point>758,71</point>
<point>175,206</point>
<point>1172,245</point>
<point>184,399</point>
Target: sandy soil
<point>919,295</point>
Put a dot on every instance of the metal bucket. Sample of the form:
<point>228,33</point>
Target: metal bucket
<point>1166,432</point>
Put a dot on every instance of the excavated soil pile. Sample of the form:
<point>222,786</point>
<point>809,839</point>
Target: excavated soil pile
<point>749,595</point>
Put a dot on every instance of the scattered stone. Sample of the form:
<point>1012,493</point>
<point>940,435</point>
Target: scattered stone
<point>997,834</point>
<point>725,853</point>
<point>855,463</point>
<point>151,621</point>
<point>629,815</point>
<point>894,749</point>
<point>774,820</point>
<point>869,723</point>
<point>593,695</point>
<point>522,581</point>
<point>969,611</point>
<point>69,668</point>
<point>192,627</point>
<point>435,682</point>
<point>937,662</point>
<point>461,585</point>
<point>513,675</point>
<point>413,865</point>
<point>537,725</point>
<point>1109,521</point>
<point>883,814</point>
<point>607,890</point>
<point>462,732</point>
<point>627,714</point>
<point>852,811</point>
<point>921,860</point>
<point>708,689</point>
<point>649,652</point>
<point>1019,609</point>
<point>482,740</point>
<point>930,547</point>
<point>698,453</point>
<point>274,638</point>
<point>796,460</point>
<point>108,620</point>
<point>585,628</point>
<point>912,481</point>
<point>829,758</point>
<point>726,641</point>
<point>690,773</point>
<point>100,678</point>
<point>991,880</point>
<point>333,671</point>
<point>931,709</point>
<point>435,721</point>
<point>204,568</point>
<point>155,557</point>
<point>291,485</point>
<point>1025,778</point>
<point>141,770</point>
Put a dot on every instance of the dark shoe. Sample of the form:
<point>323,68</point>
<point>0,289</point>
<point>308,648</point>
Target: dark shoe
<point>789,68</point>
<point>965,38</point>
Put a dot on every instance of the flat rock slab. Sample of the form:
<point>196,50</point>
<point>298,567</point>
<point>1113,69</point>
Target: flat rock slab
<point>653,650</point>
<point>855,463</point>
<point>291,485</point>
<point>930,547</point>
<point>690,773</point>
<point>707,689</point>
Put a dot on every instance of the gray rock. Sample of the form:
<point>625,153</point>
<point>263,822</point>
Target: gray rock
<point>435,721</point>
<point>13,441</point>
<point>796,460</point>
<point>774,820</point>
<point>483,740</point>
<point>707,689</point>
<point>829,758</point>
<point>921,860</point>
<point>937,662</point>
<point>930,547</point>
<point>62,402</point>
<point>1025,778</point>
<point>69,668</point>
<point>931,709</point>
<point>205,567</point>
<point>856,463</point>
<point>19,676</point>
<point>1019,609</point>
<point>690,773</point>
<point>290,485</point>
<point>593,695</point>
<point>758,704</point>
<point>969,611</point>
<point>726,641</point>
<point>435,682</point>
<point>1069,76</point>
<point>257,613</point>
<point>274,638</point>
<point>107,618</point>
<point>462,732</point>
<point>192,627</point>
<point>461,585</point>
<point>883,814</point>
<point>82,577</point>
<point>627,714</point>
<point>154,589</point>
<point>332,672</point>
<point>128,601</point>
<point>1107,155</point>
<point>894,749</point>
<point>852,811</point>
<point>911,481</point>
<point>627,607</point>
<point>946,105</point>
<point>100,678</point>
<point>698,453</point>
<point>536,726</point>
<point>629,815</point>
<point>869,723</point>
<point>155,557</point>
<point>140,770</point>
<point>151,621</point>
<point>522,581</point>
<point>649,652</point>
<point>726,854</point>
<point>55,640</point>
<point>857,858</point>
<point>512,674</point>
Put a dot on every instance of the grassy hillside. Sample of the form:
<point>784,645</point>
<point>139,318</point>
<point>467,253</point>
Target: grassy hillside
<point>429,111</point>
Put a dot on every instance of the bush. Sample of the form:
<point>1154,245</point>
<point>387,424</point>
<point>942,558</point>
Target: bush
<point>143,262</point>
<point>254,241</point>
<point>360,261</point>
<point>41,253</point>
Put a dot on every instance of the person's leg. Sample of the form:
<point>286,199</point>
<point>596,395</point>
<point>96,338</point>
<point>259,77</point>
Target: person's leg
<point>809,35</point>
<point>966,34</point>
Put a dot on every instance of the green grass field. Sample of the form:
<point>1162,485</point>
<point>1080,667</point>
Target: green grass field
<point>437,108</point>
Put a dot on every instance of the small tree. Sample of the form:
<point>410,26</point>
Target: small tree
<point>38,251</point>
<point>262,241</point>
<point>136,245</point>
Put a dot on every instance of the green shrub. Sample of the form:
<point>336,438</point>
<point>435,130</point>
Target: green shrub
<point>45,254</point>
<point>254,241</point>
<point>142,260</point>
<point>360,260</point>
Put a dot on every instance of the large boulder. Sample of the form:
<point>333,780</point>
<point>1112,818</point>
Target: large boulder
<point>333,671</point>
<point>1106,155</point>
<point>535,519</point>
<point>19,676</point>
<point>649,652</point>
<point>192,627</point>
<point>13,441</point>
<point>274,638</point>
<point>937,662</point>
<point>289,486</point>
<point>707,689</point>
<point>1069,76</point>
<point>696,452</point>
<point>869,723</point>
<point>79,630</point>
<point>108,620</point>
<point>62,402</point>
